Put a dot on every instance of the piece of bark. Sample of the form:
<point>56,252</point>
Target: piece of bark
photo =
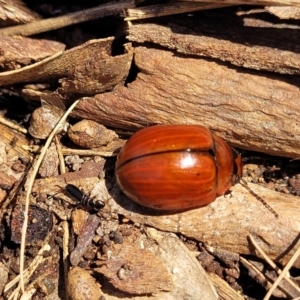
<point>6,181</point>
<point>173,265</point>
<point>92,61</point>
<point>250,52</point>
<point>190,278</point>
<point>136,271</point>
<point>84,239</point>
<point>86,178</point>
<point>249,110</point>
<point>227,222</point>
<point>78,218</point>
<point>40,223</point>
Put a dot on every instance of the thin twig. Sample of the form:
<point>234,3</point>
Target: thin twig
<point>66,254</point>
<point>259,276</point>
<point>167,9</point>
<point>80,152</point>
<point>30,184</point>
<point>271,263</point>
<point>87,152</point>
<point>256,2</point>
<point>66,20</point>
<point>12,125</point>
<point>31,268</point>
<point>283,274</point>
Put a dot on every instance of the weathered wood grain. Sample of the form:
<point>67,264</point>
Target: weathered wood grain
<point>227,222</point>
<point>249,47</point>
<point>250,110</point>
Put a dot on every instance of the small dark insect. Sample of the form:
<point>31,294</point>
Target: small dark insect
<point>83,198</point>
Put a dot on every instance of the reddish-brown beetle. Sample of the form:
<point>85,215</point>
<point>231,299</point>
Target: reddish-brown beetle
<point>176,167</point>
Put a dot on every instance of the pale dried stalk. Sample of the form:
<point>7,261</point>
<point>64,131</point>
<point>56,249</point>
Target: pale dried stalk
<point>225,291</point>
<point>63,21</point>
<point>257,2</point>
<point>259,276</point>
<point>30,270</point>
<point>80,152</point>
<point>66,254</point>
<point>28,294</point>
<point>87,152</point>
<point>271,263</point>
<point>168,9</point>
<point>12,125</point>
<point>30,184</point>
<point>283,274</point>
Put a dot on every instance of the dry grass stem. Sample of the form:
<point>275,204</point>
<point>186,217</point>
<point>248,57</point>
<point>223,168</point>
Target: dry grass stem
<point>13,125</point>
<point>66,254</point>
<point>168,9</point>
<point>283,274</point>
<point>63,21</point>
<point>29,188</point>
<point>271,263</point>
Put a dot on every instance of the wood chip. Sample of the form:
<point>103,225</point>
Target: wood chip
<point>136,271</point>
